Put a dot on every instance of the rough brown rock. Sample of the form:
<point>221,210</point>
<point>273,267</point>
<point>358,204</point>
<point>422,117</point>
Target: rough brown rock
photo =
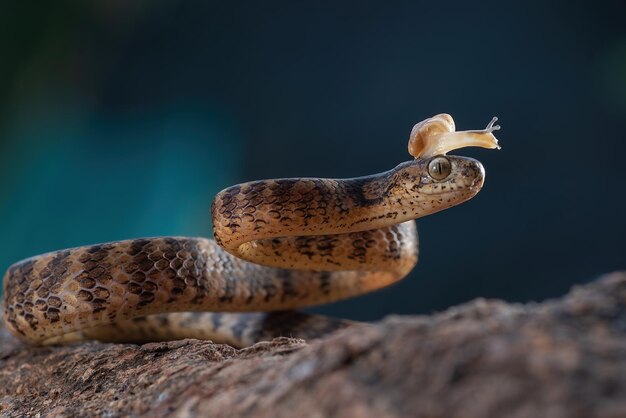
<point>559,359</point>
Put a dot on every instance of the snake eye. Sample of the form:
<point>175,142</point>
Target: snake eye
<point>439,168</point>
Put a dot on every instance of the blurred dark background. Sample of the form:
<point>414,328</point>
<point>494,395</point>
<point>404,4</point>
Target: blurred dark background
<point>122,119</point>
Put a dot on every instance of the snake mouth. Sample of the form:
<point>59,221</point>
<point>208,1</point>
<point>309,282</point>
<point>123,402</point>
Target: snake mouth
<point>452,189</point>
<point>456,191</point>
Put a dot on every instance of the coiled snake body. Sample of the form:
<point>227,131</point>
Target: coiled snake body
<point>279,245</point>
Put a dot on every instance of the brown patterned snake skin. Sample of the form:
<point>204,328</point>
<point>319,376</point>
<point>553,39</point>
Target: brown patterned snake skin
<point>279,245</point>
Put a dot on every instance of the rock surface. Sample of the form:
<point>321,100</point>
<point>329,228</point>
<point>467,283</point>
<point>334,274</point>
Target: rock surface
<point>564,358</point>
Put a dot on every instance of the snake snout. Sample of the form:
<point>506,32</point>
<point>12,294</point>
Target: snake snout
<point>468,174</point>
<point>477,174</point>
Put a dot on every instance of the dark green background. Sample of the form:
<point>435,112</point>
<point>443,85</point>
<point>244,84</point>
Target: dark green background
<point>122,119</point>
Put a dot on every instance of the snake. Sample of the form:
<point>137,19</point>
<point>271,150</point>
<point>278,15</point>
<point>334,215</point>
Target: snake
<point>278,245</point>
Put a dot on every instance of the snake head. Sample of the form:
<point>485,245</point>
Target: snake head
<point>449,175</point>
<point>428,185</point>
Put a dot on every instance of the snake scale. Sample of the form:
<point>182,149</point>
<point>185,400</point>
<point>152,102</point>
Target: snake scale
<point>278,245</point>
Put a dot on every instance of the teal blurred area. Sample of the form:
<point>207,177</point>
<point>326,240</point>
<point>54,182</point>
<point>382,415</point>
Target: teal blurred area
<point>75,170</point>
<point>121,119</point>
